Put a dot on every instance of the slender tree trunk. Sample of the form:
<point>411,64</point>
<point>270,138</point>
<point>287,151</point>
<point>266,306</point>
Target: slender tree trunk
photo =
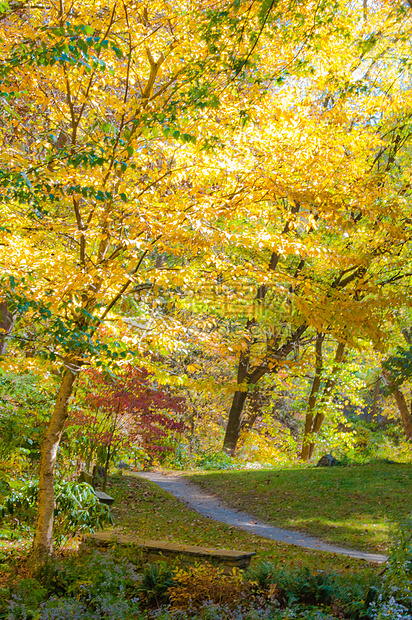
<point>327,392</point>
<point>234,422</point>
<point>317,423</point>
<point>251,377</point>
<point>275,351</point>
<point>375,398</point>
<point>405,414</point>
<point>239,398</point>
<point>313,422</point>
<point>106,468</point>
<point>43,537</point>
<point>313,397</point>
<point>7,320</point>
<point>258,400</point>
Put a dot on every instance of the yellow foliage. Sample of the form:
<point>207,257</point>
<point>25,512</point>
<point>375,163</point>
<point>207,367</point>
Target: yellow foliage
<point>204,582</point>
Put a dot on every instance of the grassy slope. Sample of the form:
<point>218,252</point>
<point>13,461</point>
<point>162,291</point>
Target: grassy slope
<point>351,506</point>
<point>147,511</point>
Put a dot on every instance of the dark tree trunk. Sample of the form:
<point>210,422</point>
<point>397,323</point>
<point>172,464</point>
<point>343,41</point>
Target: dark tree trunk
<point>274,351</point>
<point>243,375</point>
<point>106,468</point>
<point>313,397</point>
<point>7,320</point>
<point>251,377</point>
<point>404,412</point>
<point>330,384</point>
<point>234,422</point>
<point>43,536</point>
<point>257,401</point>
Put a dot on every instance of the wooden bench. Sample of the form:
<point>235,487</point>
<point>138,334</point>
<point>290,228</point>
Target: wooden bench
<point>155,550</point>
<point>101,496</point>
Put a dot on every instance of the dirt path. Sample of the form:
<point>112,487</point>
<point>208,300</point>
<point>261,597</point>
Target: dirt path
<point>210,506</point>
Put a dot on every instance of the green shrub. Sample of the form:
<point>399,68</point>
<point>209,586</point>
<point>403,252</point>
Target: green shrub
<point>353,595</point>
<point>77,508</point>
<point>307,588</point>
<point>398,576</point>
<point>156,580</point>
<point>261,577</point>
<point>87,576</point>
<point>25,598</point>
<point>215,460</point>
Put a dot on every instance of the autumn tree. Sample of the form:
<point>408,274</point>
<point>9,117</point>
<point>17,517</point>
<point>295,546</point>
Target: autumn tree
<point>97,171</point>
<point>117,411</point>
<point>108,130</point>
<point>327,243</point>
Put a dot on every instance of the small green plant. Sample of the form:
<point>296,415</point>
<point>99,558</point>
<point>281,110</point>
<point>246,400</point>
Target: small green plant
<point>87,576</point>
<point>309,588</point>
<point>302,586</point>
<point>261,576</point>
<point>78,510</point>
<point>156,580</point>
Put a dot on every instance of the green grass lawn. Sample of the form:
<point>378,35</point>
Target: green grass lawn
<point>147,511</point>
<point>351,506</point>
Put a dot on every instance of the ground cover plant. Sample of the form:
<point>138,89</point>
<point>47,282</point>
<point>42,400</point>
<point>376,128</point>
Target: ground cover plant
<point>351,506</point>
<point>108,585</point>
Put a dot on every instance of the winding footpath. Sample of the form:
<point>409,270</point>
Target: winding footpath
<point>210,506</point>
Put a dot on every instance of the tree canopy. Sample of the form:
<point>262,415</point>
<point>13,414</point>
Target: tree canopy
<point>164,161</point>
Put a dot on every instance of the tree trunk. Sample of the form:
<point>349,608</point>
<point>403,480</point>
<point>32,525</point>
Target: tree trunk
<point>7,320</point>
<point>330,384</point>
<point>106,468</point>
<point>258,400</point>
<point>251,377</point>
<point>314,424</point>
<point>43,537</point>
<point>313,397</point>
<point>374,411</point>
<point>405,414</point>
<point>243,374</point>
<point>234,422</point>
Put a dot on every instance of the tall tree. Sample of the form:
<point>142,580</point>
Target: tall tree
<point>332,265</point>
<point>111,115</point>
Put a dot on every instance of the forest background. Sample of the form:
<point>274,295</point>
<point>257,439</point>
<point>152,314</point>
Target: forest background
<point>205,236</point>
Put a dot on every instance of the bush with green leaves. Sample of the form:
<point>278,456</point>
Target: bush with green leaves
<point>86,587</point>
<point>24,404</point>
<point>26,597</point>
<point>261,576</point>
<point>77,508</point>
<point>215,460</point>
<point>352,595</point>
<point>398,576</point>
<point>156,580</point>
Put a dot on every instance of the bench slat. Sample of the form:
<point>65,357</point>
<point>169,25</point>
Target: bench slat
<point>104,498</point>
